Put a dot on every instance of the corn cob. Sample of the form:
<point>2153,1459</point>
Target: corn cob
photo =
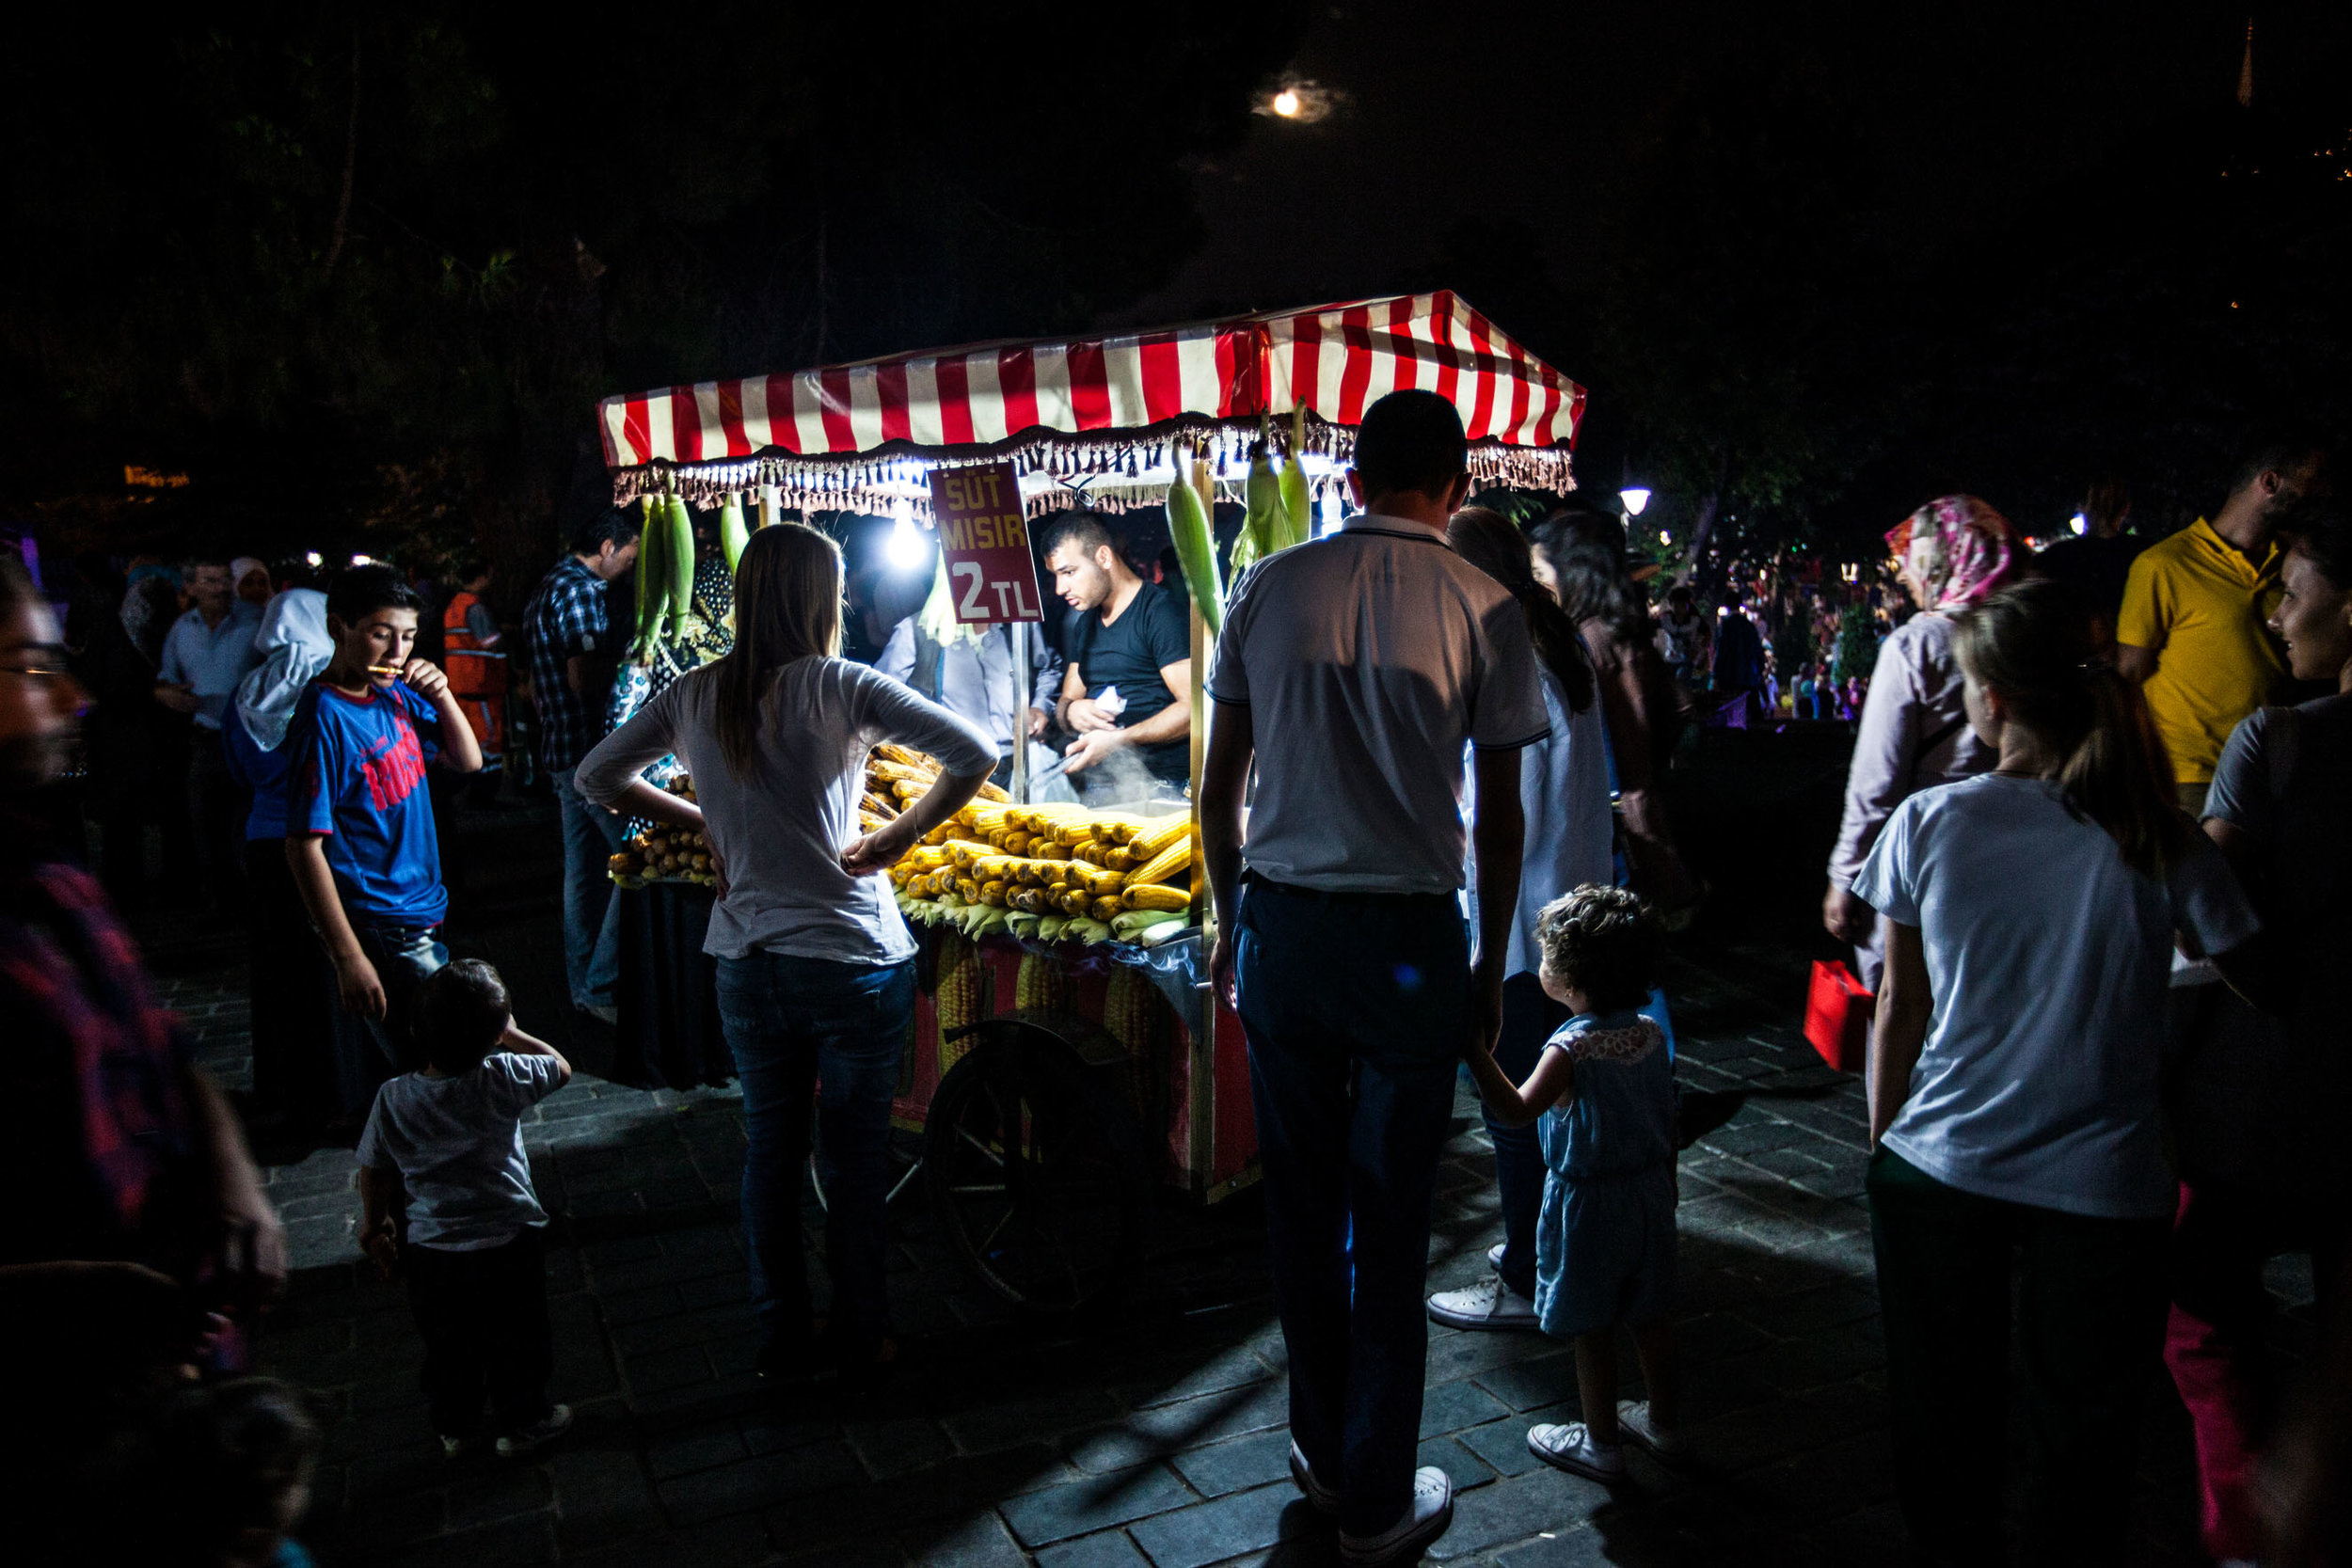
<point>890,751</point>
<point>1121,859</point>
<point>653,588</point>
<point>733,535</point>
<point>1107,908</point>
<point>1163,835</point>
<point>994,792</point>
<point>1167,864</point>
<point>1071,835</point>
<point>1017,844</point>
<point>1196,548</point>
<point>1041,985</point>
<point>879,768</point>
<point>1297,504</point>
<point>1129,1010</point>
<point>1138,922</point>
<point>959,998</point>
<point>1076,901</point>
<point>1156,896</point>
<point>877,804</point>
<point>1051,851</point>
<point>1032,899</point>
<point>993,894</point>
<point>681,563</point>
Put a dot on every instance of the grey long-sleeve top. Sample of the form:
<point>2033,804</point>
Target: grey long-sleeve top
<point>1914,734</point>
<point>976,679</point>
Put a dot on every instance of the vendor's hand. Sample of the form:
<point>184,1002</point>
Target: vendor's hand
<point>1846,917</point>
<point>1222,969</point>
<point>1086,715</point>
<point>882,848</point>
<point>1091,747</point>
<point>1038,716</point>
<point>181,698</point>
<point>425,679</point>
<point>357,987</point>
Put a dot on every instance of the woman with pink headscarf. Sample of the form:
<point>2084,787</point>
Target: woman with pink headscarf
<point>1914,734</point>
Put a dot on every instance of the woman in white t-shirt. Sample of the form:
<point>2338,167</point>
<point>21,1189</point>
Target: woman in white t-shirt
<point>2029,916</point>
<point>815,968</point>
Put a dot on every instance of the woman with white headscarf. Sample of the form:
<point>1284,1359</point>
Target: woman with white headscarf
<point>294,992</point>
<point>249,575</point>
<point>1949,554</point>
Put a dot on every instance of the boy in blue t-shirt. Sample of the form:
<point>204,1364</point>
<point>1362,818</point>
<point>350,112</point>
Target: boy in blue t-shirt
<point>359,816</point>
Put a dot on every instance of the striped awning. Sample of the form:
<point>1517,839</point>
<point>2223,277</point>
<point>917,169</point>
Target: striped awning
<point>1101,407</point>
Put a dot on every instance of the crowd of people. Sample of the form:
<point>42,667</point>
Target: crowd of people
<point>2089,871</point>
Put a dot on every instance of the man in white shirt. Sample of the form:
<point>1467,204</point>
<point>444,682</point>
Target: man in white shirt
<point>1369,660</point>
<point>206,653</point>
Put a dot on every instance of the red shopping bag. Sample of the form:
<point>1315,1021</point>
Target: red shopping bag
<point>1838,1016</point>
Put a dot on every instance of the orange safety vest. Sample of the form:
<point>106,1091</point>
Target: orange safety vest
<point>473,671</point>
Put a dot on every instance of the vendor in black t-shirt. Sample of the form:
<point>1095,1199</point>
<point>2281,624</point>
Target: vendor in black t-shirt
<point>1130,637</point>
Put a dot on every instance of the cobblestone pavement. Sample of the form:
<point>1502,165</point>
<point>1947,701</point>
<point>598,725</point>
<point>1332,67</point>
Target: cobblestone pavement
<point>1154,1436</point>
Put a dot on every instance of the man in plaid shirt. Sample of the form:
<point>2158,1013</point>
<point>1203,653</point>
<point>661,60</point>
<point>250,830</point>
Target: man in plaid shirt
<point>566,626</point>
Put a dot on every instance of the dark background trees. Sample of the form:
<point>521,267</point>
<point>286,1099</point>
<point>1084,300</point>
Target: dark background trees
<point>362,277</point>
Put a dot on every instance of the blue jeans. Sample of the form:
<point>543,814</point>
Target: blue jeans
<point>1355,1009</point>
<point>803,1028</point>
<point>592,931</point>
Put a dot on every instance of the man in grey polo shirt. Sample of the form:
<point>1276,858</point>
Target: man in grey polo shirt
<point>1368,659</point>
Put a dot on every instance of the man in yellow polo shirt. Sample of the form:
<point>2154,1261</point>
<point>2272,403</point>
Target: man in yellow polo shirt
<point>2191,630</point>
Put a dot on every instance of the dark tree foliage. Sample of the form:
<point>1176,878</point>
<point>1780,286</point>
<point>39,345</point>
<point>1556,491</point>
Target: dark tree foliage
<point>363,272</point>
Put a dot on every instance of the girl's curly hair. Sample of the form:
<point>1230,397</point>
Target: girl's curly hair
<point>1605,941</point>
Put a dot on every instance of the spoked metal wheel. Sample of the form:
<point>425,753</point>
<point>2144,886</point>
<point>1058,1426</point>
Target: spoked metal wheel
<point>1035,1169</point>
<point>905,1156</point>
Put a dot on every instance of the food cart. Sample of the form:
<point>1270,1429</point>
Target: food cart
<point>1053,1082</point>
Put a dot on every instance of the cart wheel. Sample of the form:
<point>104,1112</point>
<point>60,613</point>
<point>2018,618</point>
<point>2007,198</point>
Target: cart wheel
<point>1035,1169</point>
<point>904,1153</point>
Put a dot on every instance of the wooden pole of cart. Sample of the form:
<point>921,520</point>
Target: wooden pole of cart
<point>1200,1089</point>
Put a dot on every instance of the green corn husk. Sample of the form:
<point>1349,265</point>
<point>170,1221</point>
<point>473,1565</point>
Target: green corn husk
<point>1298,507</point>
<point>1261,514</point>
<point>681,563</point>
<point>1135,923</point>
<point>1159,934</point>
<point>653,589</point>
<point>733,535</point>
<point>1049,928</point>
<point>1087,931</point>
<point>1196,549</point>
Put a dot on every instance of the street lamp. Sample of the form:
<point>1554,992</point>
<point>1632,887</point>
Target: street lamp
<point>2078,523</point>
<point>1634,497</point>
<point>1286,104</point>
<point>908,549</point>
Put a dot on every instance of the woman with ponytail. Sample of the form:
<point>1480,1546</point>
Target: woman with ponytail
<point>2028,917</point>
<point>815,968</point>
<point>1563,791</point>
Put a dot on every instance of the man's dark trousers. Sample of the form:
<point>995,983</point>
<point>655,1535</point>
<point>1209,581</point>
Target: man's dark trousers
<point>1356,1007</point>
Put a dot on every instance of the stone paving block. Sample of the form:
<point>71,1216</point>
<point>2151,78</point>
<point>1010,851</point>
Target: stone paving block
<point>1810,1311</point>
<point>416,1466</point>
<point>700,1449</point>
<point>1514,1509</point>
<point>1026,1420</point>
<point>1095,1503</point>
<point>1238,1464</point>
<point>506,1490</point>
<point>1214,1531</point>
<point>895,1447</point>
<point>1787,1163</point>
<point>1110,1549</point>
<point>1525,1384</point>
<point>1501,1445</point>
<point>978,1541</point>
<point>1450,1406</point>
<point>1143,1435</point>
<point>528,1538</point>
<point>738,1542</point>
<point>1461,1464</point>
<point>957,1486</point>
<point>655,1370</point>
<point>760,1482</point>
<point>1742,1440</point>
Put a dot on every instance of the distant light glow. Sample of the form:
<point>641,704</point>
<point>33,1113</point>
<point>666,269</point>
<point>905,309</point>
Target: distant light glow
<point>363,561</point>
<point>313,559</point>
<point>1286,104</point>
<point>1665,538</point>
<point>1300,101</point>
<point>908,549</point>
<point>2078,523</point>
<point>1635,498</point>
<point>1330,515</point>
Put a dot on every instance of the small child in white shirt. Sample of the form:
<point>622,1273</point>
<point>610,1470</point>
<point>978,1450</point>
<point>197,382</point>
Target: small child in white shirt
<point>452,1136</point>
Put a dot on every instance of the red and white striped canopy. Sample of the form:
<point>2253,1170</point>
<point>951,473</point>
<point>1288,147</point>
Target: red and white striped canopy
<point>1089,392</point>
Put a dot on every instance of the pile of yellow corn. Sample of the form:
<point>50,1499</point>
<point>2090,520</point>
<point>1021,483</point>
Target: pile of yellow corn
<point>662,853</point>
<point>1048,870</point>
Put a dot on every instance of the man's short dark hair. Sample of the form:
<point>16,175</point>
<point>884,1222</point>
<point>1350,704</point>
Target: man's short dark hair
<point>614,526</point>
<point>466,1010</point>
<point>2320,529</point>
<point>1084,530</point>
<point>189,566</point>
<point>2279,449</point>
<point>1411,441</point>
<point>469,570</point>
<point>359,591</point>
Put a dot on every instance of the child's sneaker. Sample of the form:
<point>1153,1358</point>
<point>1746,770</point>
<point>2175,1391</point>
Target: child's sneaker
<point>1570,1447</point>
<point>1489,1304</point>
<point>538,1435</point>
<point>1634,1422</point>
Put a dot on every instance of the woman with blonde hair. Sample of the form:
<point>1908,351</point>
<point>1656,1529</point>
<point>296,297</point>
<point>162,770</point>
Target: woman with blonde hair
<point>815,968</point>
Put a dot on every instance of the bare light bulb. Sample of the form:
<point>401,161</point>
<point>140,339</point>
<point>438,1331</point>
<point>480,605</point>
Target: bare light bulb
<point>908,549</point>
<point>1286,104</point>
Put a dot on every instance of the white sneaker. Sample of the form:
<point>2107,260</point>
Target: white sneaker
<point>1326,1501</point>
<point>1571,1448</point>
<point>536,1435</point>
<point>1634,1422</point>
<point>1425,1519</point>
<point>1489,1304</point>
<point>1493,1256</point>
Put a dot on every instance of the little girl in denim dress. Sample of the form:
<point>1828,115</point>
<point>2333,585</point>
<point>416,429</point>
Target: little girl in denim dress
<point>1605,1238</point>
